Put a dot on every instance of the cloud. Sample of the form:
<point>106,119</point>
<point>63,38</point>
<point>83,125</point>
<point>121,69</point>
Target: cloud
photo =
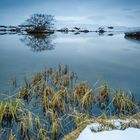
<point>72,19</point>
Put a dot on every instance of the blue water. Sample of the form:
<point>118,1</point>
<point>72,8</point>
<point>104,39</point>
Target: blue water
<point>113,59</point>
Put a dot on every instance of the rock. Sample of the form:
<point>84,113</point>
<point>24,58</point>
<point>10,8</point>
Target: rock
<point>101,30</point>
<point>133,35</point>
<point>3,26</point>
<point>85,31</point>
<point>63,30</point>
<point>110,27</point>
<point>76,28</point>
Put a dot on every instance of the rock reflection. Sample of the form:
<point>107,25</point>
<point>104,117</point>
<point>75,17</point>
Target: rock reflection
<point>133,39</point>
<point>39,42</point>
<point>110,34</point>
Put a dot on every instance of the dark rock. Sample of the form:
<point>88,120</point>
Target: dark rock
<point>3,26</point>
<point>63,30</point>
<point>110,27</point>
<point>11,26</point>
<point>100,30</point>
<point>76,28</point>
<point>14,30</point>
<point>84,31</point>
<point>72,30</point>
<point>132,34</point>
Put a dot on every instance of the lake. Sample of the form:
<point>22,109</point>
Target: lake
<point>103,58</point>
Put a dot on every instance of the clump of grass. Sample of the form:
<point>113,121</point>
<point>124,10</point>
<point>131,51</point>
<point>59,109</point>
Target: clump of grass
<point>37,123</point>
<point>37,78</point>
<point>65,70</point>
<point>15,117</point>
<point>80,91</point>
<point>123,103</point>
<point>66,81</point>
<point>103,96</point>
<point>104,116</point>
<point>88,99</point>
<point>54,125</point>
<point>58,102</point>
<point>42,135</point>
<point>9,111</point>
<point>45,101</point>
<point>25,93</point>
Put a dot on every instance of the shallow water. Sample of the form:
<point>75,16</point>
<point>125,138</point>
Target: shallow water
<point>94,57</point>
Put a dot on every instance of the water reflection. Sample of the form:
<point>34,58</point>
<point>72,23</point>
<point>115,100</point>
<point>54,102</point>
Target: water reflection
<point>110,34</point>
<point>39,42</point>
<point>133,39</point>
<point>77,33</point>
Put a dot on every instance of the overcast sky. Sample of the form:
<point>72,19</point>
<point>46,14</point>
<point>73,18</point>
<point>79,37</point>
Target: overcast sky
<point>101,12</point>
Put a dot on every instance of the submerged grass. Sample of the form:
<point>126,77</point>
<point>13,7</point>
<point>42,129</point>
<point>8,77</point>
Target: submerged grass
<point>54,103</point>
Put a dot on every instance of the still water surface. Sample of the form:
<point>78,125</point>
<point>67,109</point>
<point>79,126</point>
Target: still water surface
<point>113,59</point>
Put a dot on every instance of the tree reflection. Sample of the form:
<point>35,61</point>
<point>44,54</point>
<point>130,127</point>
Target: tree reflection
<point>39,42</point>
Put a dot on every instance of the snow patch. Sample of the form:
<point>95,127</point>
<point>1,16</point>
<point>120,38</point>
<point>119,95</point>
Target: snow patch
<point>95,131</point>
<point>127,134</point>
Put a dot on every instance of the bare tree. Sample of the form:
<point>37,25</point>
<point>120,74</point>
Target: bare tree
<point>40,23</point>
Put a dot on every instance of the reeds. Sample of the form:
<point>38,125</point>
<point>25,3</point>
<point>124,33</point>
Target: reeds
<point>25,93</point>
<point>124,103</point>
<point>9,111</point>
<point>80,91</point>
<point>42,135</point>
<point>58,102</point>
<point>103,96</point>
<point>88,99</point>
<point>54,125</point>
<point>63,104</point>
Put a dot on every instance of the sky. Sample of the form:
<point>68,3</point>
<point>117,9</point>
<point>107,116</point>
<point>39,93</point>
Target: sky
<point>72,12</point>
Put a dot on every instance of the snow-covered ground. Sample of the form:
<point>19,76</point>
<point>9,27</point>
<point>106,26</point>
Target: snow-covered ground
<point>127,134</point>
<point>91,132</point>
